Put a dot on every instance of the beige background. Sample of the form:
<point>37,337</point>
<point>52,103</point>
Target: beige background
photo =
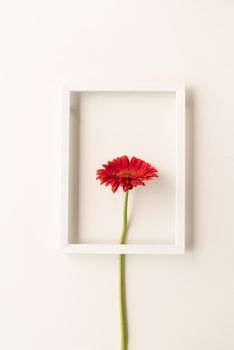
<point>103,126</point>
<point>54,302</point>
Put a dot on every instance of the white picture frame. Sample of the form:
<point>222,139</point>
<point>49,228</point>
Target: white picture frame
<point>179,242</point>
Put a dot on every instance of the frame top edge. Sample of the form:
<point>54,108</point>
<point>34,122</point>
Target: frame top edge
<point>140,87</point>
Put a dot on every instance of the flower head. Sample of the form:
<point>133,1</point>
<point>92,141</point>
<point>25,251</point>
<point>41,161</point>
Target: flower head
<point>125,173</point>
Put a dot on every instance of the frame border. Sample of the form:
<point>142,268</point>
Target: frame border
<point>179,246</point>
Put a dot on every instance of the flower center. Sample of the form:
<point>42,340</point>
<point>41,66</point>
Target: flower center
<point>126,174</point>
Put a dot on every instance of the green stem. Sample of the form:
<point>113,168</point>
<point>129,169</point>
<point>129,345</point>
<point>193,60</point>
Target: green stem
<point>123,321</point>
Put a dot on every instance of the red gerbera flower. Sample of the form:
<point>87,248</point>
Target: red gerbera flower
<point>126,173</point>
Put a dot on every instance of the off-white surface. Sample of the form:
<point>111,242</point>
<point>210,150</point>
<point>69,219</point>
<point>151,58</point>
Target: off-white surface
<point>111,125</point>
<point>54,302</point>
